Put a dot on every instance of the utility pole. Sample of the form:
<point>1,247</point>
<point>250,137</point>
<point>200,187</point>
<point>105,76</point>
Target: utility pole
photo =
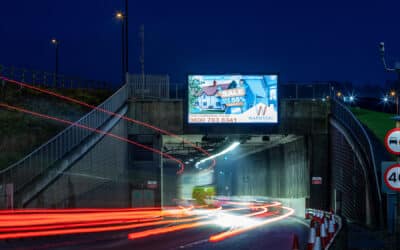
<point>120,16</point>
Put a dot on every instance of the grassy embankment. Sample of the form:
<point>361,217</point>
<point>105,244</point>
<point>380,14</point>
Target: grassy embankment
<point>20,133</point>
<point>378,122</point>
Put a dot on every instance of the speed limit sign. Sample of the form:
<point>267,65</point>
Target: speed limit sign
<point>392,177</point>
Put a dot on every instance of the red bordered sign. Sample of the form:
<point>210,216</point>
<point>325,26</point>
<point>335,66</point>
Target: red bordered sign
<point>392,141</point>
<point>392,177</point>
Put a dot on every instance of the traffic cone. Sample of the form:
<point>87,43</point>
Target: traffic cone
<point>320,216</point>
<point>331,229</point>
<point>334,222</point>
<point>326,222</point>
<point>311,239</point>
<point>317,245</point>
<point>324,235</point>
<point>295,244</point>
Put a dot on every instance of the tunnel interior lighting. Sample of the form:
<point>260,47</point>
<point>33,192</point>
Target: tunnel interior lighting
<point>228,149</point>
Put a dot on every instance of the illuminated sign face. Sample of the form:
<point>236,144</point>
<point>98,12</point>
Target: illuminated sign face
<point>232,99</point>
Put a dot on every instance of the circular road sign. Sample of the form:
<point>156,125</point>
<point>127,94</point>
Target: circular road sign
<point>392,177</point>
<point>392,141</point>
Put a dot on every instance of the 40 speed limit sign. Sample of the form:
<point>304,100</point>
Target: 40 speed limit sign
<point>391,177</point>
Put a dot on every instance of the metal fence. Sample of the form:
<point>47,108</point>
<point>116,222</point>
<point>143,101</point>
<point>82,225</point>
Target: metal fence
<point>50,79</point>
<point>148,86</point>
<point>41,159</point>
<point>305,91</point>
<point>347,119</point>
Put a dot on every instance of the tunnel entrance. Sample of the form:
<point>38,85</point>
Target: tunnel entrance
<point>268,166</point>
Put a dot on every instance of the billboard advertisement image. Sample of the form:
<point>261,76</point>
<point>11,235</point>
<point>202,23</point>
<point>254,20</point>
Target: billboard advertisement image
<point>232,99</point>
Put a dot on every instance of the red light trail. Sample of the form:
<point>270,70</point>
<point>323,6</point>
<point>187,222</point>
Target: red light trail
<point>111,113</point>
<point>36,223</point>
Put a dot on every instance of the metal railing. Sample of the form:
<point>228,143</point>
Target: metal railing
<point>305,91</point>
<point>36,163</point>
<point>148,86</point>
<point>341,113</point>
<point>50,79</point>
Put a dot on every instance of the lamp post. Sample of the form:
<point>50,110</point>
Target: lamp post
<point>121,17</point>
<point>56,44</point>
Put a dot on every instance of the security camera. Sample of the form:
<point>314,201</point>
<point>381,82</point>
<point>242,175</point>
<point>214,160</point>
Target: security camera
<point>382,48</point>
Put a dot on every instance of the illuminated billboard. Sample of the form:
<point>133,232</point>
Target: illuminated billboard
<point>232,99</point>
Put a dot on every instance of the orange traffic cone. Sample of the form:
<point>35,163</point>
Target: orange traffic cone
<point>295,244</point>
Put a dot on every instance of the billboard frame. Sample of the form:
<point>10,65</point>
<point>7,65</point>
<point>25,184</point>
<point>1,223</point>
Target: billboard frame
<point>229,128</point>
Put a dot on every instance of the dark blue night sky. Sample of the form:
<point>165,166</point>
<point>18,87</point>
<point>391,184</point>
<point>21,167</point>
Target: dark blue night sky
<point>302,40</point>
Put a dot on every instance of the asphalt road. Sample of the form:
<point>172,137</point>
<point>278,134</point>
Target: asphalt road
<point>277,235</point>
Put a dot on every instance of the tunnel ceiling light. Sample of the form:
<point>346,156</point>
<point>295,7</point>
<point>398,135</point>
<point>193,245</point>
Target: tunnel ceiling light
<point>228,149</point>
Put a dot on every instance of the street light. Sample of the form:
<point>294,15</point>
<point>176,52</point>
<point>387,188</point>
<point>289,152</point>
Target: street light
<point>56,44</point>
<point>394,95</point>
<point>385,99</point>
<point>121,17</point>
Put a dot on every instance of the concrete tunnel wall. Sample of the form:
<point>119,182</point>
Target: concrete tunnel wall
<point>95,180</point>
<point>280,173</point>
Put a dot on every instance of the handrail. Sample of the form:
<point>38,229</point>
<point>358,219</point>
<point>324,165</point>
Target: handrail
<point>348,119</point>
<point>38,161</point>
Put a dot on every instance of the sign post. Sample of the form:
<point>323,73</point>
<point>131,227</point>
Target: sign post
<point>391,175</point>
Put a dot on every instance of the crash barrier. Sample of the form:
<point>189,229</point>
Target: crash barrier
<point>324,229</point>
